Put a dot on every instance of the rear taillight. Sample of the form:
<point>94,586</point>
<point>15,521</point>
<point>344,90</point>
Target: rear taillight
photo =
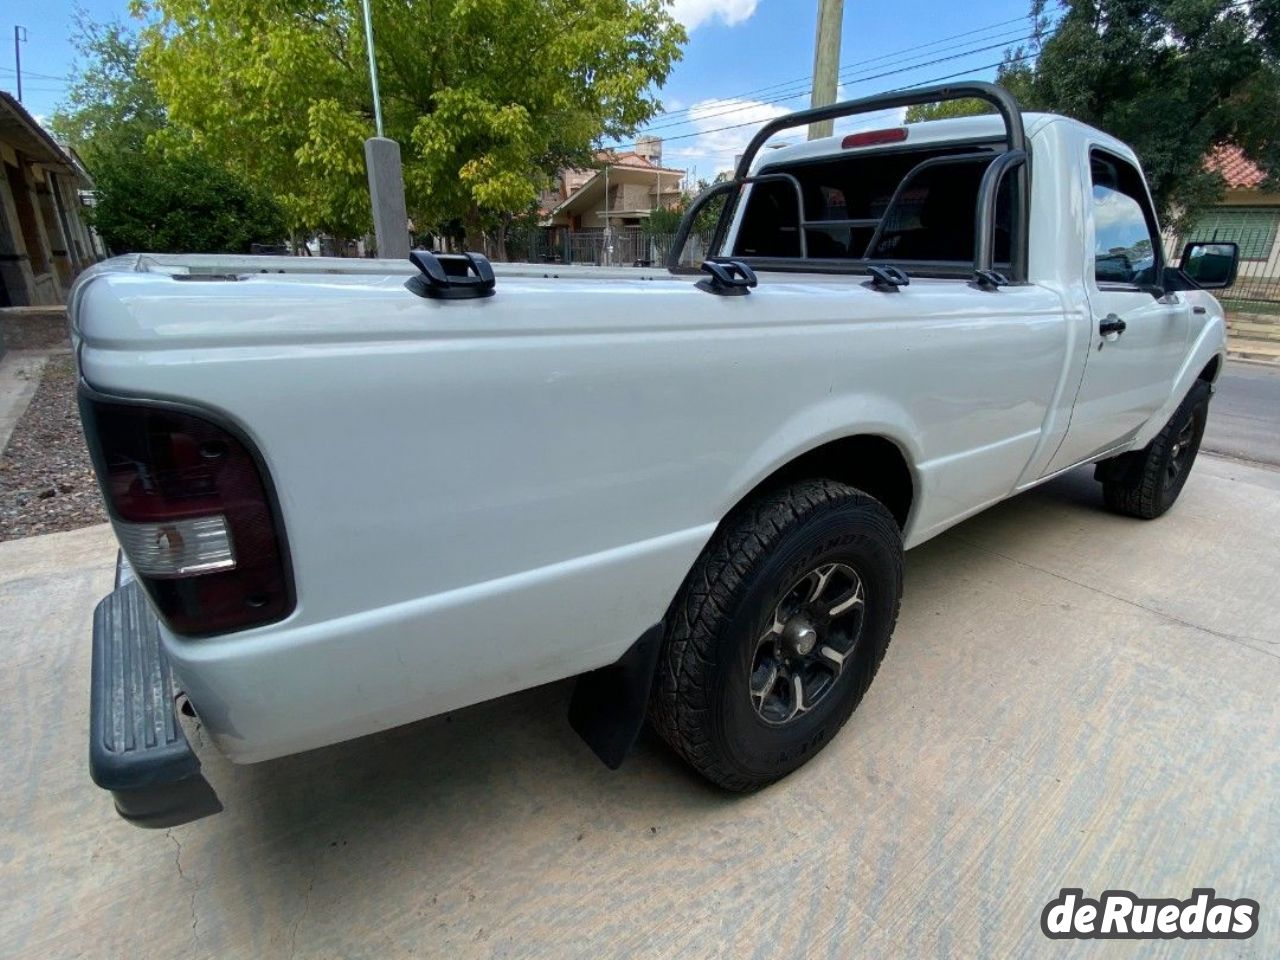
<point>193,512</point>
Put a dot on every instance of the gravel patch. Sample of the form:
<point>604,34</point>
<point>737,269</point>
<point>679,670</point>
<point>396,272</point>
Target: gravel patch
<point>46,479</point>
<point>29,329</point>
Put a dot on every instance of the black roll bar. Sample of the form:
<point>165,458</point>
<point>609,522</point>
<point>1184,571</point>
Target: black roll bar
<point>728,186</point>
<point>1015,157</point>
<point>985,215</point>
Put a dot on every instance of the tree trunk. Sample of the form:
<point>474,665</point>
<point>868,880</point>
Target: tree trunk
<point>474,232</point>
<point>500,254</point>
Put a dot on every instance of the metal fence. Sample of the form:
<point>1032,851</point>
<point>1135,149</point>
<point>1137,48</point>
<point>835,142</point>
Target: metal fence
<point>620,248</point>
<point>1258,280</point>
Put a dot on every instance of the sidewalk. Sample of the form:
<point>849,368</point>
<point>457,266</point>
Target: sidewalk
<point>1253,336</point>
<point>19,376</point>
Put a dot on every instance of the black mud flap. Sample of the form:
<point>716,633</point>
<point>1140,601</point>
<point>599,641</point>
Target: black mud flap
<point>1122,468</point>
<point>137,748</point>
<point>608,705</point>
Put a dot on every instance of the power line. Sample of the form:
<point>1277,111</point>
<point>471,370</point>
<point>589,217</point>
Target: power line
<point>29,73</point>
<point>1010,37</point>
<point>916,48</point>
<point>923,83</point>
<point>860,79</point>
<point>846,79</point>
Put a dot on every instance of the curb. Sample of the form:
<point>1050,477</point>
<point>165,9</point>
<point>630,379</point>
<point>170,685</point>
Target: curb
<point>1261,360</point>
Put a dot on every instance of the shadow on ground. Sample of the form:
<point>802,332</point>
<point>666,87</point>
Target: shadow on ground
<point>469,780</point>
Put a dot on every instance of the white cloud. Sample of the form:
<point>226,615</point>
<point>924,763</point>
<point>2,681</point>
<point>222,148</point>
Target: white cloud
<point>694,13</point>
<point>714,149</point>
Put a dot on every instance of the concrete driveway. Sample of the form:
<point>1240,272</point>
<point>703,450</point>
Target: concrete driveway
<point>1071,699</point>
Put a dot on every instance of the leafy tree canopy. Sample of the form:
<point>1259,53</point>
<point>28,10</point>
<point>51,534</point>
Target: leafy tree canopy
<point>152,190</point>
<point>110,110</point>
<point>666,220</point>
<point>486,97</point>
<point>179,203</point>
<point>946,110</point>
<point>1172,78</point>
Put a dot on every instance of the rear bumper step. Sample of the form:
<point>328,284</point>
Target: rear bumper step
<point>137,748</point>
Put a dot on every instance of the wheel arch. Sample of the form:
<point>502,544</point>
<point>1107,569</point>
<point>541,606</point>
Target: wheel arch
<point>608,705</point>
<point>1212,369</point>
<point>871,462</point>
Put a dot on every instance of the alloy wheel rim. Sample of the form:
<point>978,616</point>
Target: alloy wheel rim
<point>1178,452</point>
<point>813,631</point>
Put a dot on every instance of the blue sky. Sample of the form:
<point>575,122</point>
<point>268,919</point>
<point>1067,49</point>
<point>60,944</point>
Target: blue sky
<point>741,55</point>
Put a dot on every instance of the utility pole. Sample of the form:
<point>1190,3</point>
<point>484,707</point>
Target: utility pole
<point>386,177</point>
<point>826,62</point>
<point>608,233</point>
<point>19,34</point>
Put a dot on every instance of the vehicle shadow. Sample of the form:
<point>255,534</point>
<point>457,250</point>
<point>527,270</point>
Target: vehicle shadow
<point>524,741</point>
<point>458,795</point>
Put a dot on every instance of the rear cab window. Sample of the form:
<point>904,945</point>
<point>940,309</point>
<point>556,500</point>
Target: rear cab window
<point>914,208</point>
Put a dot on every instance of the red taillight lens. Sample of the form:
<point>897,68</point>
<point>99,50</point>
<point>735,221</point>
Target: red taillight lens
<point>193,511</point>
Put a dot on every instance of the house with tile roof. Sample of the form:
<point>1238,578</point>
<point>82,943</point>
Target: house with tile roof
<point>599,215</point>
<point>621,192</point>
<point>1249,215</point>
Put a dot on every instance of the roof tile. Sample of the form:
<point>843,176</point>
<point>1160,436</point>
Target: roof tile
<point>1239,171</point>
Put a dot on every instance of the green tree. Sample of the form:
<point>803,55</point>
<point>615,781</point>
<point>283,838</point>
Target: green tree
<point>946,110</point>
<point>486,97</point>
<point>152,190</point>
<point>667,219</point>
<point>110,110</point>
<point>179,203</point>
<point>1172,78</point>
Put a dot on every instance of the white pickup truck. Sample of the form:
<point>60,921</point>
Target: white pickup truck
<point>353,494</point>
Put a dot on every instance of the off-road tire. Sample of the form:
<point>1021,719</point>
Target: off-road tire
<point>700,702</point>
<point>1148,481</point>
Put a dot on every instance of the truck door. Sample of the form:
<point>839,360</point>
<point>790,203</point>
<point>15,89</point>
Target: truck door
<point>1138,340</point>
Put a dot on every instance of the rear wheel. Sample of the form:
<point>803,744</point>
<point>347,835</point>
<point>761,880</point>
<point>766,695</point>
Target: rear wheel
<point>778,631</point>
<point>1145,483</point>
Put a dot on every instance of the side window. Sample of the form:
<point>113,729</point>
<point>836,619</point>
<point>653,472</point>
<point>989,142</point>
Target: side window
<point>1124,243</point>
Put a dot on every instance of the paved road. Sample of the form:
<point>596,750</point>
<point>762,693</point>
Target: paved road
<point>1071,699</point>
<point>1244,418</point>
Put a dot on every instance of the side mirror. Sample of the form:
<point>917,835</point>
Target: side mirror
<point>1212,266</point>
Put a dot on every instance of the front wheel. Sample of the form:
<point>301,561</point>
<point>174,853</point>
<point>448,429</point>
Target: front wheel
<point>1145,483</point>
<point>778,632</point>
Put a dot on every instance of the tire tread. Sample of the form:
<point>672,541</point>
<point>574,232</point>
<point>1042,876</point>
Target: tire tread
<point>1143,497</point>
<point>681,704</point>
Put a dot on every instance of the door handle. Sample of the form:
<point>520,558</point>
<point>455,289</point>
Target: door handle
<point>1111,323</point>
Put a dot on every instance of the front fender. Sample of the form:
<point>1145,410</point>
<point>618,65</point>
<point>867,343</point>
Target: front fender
<point>1211,342</point>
